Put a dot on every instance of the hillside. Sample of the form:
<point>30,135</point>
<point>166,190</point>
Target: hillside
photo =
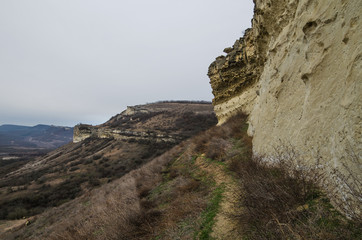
<point>207,187</point>
<point>162,121</point>
<point>19,144</point>
<point>76,168</point>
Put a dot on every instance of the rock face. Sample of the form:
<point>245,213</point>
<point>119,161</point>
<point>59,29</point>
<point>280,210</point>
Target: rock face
<point>297,73</point>
<point>233,77</point>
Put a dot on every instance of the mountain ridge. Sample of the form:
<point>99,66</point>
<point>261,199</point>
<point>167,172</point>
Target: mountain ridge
<point>40,136</point>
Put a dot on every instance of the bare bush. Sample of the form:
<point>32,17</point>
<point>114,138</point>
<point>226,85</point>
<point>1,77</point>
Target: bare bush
<point>345,189</point>
<point>117,210</point>
<point>342,184</point>
<point>281,199</point>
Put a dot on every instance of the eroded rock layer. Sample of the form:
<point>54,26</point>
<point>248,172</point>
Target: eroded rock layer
<point>159,122</point>
<point>297,73</point>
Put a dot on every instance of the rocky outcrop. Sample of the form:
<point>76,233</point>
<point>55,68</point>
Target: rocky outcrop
<point>169,122</point>
<point>233,77</point>
<point>297,73</point>
<point>82,132</point>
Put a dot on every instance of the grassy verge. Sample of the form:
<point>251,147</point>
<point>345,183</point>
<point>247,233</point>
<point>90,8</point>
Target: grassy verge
<point>208,216</point>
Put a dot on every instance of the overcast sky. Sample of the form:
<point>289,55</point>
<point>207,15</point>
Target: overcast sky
<point>64,62</point>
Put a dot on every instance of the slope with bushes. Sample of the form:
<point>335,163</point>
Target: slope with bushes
<point>76,168</point>
<point>208,187</point>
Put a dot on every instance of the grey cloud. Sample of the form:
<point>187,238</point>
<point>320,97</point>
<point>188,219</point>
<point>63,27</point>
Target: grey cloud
<point>70,61</point>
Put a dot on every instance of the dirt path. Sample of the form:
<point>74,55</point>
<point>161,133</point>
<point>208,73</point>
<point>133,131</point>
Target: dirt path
<point>8,225</point>
<point>224,228</point>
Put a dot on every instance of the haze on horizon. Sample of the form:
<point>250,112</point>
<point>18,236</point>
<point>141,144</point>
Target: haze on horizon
<point>71,61</point>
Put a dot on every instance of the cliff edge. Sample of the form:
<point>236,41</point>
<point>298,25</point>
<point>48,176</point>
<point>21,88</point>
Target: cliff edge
<point>297,73</point>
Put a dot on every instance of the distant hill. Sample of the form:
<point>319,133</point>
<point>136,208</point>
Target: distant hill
<point>39,136</point>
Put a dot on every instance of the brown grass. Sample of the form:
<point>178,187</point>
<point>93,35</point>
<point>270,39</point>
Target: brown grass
<point>283,201</point>
<point>165,198</point>
<point>114,211</point>
<point>117,211</point>
<point>151,201</point>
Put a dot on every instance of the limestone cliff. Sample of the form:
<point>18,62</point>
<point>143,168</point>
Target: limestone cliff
<point>297,73</point>
<point>233,77</point>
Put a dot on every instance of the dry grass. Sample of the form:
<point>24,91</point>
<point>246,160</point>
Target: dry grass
<point>113,211</point>
<point>76,168</point>
<point>283,201</point>
<point>167,198</point>
<point>346,187</point>
<point>117,211</point>
<point>164,198</point>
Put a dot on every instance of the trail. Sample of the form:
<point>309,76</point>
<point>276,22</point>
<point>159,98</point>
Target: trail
<point>9,225</point>
<point>225,228</point>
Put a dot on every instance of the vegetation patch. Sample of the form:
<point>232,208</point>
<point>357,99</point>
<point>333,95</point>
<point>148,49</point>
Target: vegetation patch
<point>192,191</point>
<point>208,216</point>
<point>276,202</point>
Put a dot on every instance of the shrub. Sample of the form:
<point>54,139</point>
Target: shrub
<point>18,213</point>
<point>278,202</point>
<point>72,169</point>
<point>97,156</point>
<point>94,181</point>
